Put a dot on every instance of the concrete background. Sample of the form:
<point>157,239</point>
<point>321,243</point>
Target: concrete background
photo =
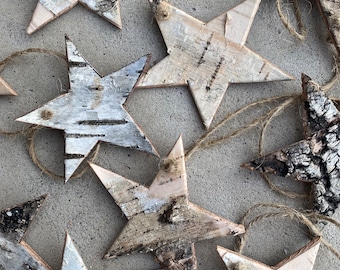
<point>216,181</point>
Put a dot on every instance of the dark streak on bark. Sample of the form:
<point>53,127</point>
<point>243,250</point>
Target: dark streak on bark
<point>201,60</point>
<point>76,64</point>
<point>76,135</point>
<point>73,156</point>
<point>15,221</point>
<point>213,77</point>
<point>103,122</point>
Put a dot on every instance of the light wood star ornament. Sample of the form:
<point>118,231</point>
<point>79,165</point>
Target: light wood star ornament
<point>161,219</point>
<point>330,10</point>
<point>15,253</point>
<point>48,10</point>
<point>303,259</point>
<point>71,257</point>
<point>315,159</point>
<point>208,57</point>
<point>5,89</point>
<point>93,110</point>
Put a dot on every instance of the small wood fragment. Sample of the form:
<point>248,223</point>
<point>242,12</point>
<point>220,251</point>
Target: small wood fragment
<point>303,259</point>
<point>48,10</point>
<point>14,252</point>
<point>315,159</point>
<point>93,110</point>
<point>71,258</point>
<point>207,57</point>
<point>5,89</point>
<point>161,219</point>
<point>330,10</point>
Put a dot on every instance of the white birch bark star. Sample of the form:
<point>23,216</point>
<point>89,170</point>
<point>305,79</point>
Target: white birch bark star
<point>93,110</point>
<point>48,10</point>
<point>15,253</point>
<point>161,218</point>
<point>315,159</point>
<point>5,89</point>
<point>303,259</point>
<point>207,57</point>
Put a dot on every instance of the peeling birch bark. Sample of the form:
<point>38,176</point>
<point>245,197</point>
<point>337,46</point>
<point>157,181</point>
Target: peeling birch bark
<point>207,57</point>
<point>161,219</point>
<point>330,10</point>
<point>5,89</point>
<point>93,110</point>
<point>48,10</point>
<point>303,259</point>
<point>15,253</point>
<point>315,159</point>
<point>71,258</point>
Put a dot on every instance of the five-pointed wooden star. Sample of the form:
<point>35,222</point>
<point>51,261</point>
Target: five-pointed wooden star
<point>303,259</point>
<point>93,110</point>
<point>48,10</point>
<point>5,89</point>
<point>330,10</point>
<point>315,159</point>
<point>208,57</point>
<point>71,258</point>
<point>16,253</point>
<point>161,218</point>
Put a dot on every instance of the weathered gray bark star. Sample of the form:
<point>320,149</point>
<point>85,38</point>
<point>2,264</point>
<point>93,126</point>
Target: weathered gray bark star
<point>15,253</point>
<point>303,259</point>
<point>93,110</point>
<point>315,159</point>
<point>48,10</point>
<point>161,218</point>
<point>208,57</point>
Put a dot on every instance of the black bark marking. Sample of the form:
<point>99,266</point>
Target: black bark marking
<point>76,64</point>
<point>201,60</point>
<point>76,135</point>
<point>74,156</point>
<point>213,76</point>
<point>103,122</point>
<point>165,217</point>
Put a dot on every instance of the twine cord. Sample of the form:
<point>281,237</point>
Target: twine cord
<point>285,212</point>
<point>297,12</point>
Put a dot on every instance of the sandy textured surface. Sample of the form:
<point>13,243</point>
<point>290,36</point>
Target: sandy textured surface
<point>216,182</point>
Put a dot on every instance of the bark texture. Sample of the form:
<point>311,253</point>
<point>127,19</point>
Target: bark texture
<point>315,159</point>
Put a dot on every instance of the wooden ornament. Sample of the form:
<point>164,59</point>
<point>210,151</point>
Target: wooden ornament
<point>161,218</point>
<point>5,89</point>
<point>15,253</point>
<point>303,259</point>
<point>48,10</point>
<point>208,57</point>
<point>71,257</point>
<point>315,159</point>
<point>93,110</point>
<point>330,10</point>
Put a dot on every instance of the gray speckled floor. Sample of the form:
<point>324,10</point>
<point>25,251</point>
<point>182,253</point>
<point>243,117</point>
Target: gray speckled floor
<point>83,207</point>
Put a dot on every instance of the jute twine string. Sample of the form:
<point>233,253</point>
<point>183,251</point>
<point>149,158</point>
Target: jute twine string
<point>301,33</point>
<point>284,211</point>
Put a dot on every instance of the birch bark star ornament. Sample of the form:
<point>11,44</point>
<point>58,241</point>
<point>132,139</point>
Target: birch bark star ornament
<point>14,222</point>
<point>208,57</point>
<point>93,110</point>
<point>315,159</point>
<point>303,259</point>
<point>5,89</point>
<point>48,10</point>
<point>161,218</point>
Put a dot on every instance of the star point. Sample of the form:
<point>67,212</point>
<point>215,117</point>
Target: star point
<point>316,158</point>
<point>71,257</point>
<point>207,57</point>
<point>14,222</point>
<point>161,218</point>
<point>48,10</point>
<point>93,110</point>
<point>303,259</point>
<point>6,89</point>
